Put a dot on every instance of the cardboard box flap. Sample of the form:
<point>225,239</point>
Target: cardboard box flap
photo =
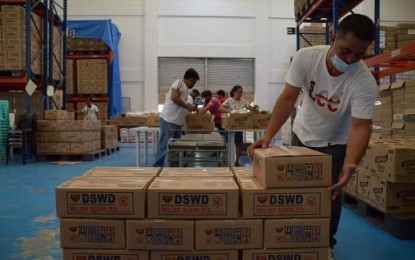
<point>250,184</point>
<point>105,183</point>
<point>398,125</point>
<point>279,151</point>
<point>384,87</point>
<point>397,85</point>
<point>409,112</point>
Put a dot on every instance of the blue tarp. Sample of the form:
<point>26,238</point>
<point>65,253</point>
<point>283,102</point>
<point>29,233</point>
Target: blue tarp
<point>107,32</point>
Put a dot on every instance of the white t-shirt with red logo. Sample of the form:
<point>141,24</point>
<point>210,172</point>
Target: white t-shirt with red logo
<point>329,102</point>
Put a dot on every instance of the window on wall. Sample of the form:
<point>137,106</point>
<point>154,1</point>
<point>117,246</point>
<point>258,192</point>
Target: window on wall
<point>215,73</point>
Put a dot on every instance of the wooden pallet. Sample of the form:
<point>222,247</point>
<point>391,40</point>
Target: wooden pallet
<point>90,156</point>
<point>109,151</point>
<point>401,225</point>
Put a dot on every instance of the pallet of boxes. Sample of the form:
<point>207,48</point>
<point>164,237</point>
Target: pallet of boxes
<point>287,190</point>
<point>60,134</point>
<point>94,209</point>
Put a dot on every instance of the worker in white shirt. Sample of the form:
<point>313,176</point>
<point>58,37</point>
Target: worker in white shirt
<point>90,111</point>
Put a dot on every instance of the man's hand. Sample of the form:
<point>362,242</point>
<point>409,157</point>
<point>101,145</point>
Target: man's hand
<point>345,174</point>
<point>260,143</point>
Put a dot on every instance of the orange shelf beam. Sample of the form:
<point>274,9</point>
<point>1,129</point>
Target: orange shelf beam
<point>393,62</point>
<point>13,81</point>
<point>13,2</point>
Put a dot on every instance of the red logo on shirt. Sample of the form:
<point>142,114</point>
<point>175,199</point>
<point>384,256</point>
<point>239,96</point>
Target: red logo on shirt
<point>322,100</point>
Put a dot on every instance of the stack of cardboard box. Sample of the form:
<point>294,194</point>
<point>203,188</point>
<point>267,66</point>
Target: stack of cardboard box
<point>385,179</point>
<point>317,36</point>
<point>94,209</point>
<point>92,76</point>
<point>245,120</point>
<point>60,134</point>
<point>405,34</point>
<point>13,40</point>
<point>17,103</point>
<point>70,77</point>
<point>387,40</point>
<point>288,189</point>
<point>382,114</point>
<point>199,122</point>
<point>77,45</point>
<point>109,136</point>
<point>403,109</point>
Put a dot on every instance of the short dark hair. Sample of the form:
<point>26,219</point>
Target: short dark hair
<point>191,74</point>
<point>234,89</point>
<point>221,92</point>
<point>196,92</point>
<point>358,24</point>
<point>206,94</point>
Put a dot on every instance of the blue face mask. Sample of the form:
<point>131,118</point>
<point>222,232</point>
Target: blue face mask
<point>340,65</point>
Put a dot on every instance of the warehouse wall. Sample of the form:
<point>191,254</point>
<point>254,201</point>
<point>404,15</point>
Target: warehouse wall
<point>207,28</point>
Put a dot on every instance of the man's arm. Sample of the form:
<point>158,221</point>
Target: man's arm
<point>205,108</point>
<point>282,110</point>
<point>175,97</point>
<point>356,146</point>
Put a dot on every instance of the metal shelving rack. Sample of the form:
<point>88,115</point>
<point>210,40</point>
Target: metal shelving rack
<point>329,12</point>
<point>392,62</point>
<point>46,9</point>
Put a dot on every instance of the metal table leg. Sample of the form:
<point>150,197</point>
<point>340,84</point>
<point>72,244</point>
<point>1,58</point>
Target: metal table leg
<point>145,145</point>
<point>137,145</point>
<point>231,148</point>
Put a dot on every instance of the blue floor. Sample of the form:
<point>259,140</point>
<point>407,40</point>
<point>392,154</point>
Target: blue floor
<point>29,228</point>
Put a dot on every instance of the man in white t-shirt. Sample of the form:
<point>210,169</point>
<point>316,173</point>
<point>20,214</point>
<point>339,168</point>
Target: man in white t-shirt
<point>90,111</point>
<point>174,111</point>
<point>339,93</point>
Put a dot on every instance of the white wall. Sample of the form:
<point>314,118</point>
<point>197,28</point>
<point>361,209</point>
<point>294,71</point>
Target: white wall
<point>208,28</point>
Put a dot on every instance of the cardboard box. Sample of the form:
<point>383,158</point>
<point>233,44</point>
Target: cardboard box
<point>153,121</point>
<point>199,122</point>
<point>228,234</point>
<point>196,172</point>
<point>391,161</point>
<point>296,233</point>
<point>260,121</point>
<point>351,186</point>
<point>258,202</point>
<point>237,121</point>
<point>144,172</point>
<point>277,167</point>
<point>243,172</point>
<point>190,255</point>
<point>53,148</point>
<point>193,198</point>
<point>92,233</point>
<point>363,184</point>
<point>95,254</point>
<point>104,197</point>
<point>392,197</point>
<point>160,234</point>
<point>292,253</point>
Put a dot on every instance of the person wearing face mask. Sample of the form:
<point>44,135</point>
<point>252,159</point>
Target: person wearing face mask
<point>339,93</point>
<point>174,111</point>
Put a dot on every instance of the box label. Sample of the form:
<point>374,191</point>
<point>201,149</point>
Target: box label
<point>192,204</point>
<point>100,203</point>
<point>296,204</point>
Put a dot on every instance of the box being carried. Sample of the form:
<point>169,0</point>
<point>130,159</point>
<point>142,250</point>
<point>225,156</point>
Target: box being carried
<point>199,122</point>
<point>103,197</point>
<point>281,166</point>
<point>192,198</point>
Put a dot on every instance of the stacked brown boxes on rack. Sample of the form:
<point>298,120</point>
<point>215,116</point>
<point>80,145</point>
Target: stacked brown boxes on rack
<point>405,34</point>
<point>245,120</point>
<point>94,209</point>
<point>57,54</point>
<point>403,109</point>
<point>289,191</point>
<point>382,115</point>
<point>299,7</point>
<point>17,103</point>
<point>195,211</point>
<point>387,40</point>
<point>317,38</point>
<point>60,134</point>
<point>70,77</point>
<point>13,40</point>
<point>92,76</point>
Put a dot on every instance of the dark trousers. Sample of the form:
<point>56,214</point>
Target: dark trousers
<point>337,152</point>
